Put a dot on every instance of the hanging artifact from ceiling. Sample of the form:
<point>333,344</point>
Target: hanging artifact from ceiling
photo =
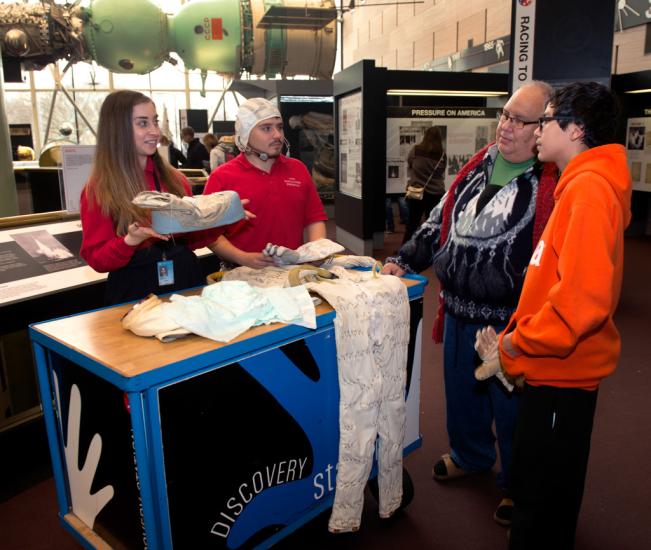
<point>230,37</point>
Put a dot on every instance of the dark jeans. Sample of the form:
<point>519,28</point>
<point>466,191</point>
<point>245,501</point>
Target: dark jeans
<point>550,458</point>
<point>416,210</point>
<point>403,211</point>
<point>472,406</point>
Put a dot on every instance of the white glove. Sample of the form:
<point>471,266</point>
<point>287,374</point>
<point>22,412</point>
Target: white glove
<point>281,255</point>
<point>147,318</point>
<point>308,252</point>
<point>487,347</point>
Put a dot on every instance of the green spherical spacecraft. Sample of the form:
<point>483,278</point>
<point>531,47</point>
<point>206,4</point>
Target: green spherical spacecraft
<point>262,37</point>
<point>126,36</point>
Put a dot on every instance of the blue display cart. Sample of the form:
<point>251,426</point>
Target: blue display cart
<point>196,444</point>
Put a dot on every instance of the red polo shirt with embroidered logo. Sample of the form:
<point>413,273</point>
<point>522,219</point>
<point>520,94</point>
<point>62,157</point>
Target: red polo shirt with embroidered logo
<point>284,201</point>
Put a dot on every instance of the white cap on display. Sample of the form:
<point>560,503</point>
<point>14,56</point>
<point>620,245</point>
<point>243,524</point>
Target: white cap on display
<point>250,113</point>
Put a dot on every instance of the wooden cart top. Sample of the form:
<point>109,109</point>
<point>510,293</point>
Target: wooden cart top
<point>99,335</point>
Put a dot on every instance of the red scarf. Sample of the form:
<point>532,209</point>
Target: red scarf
<point>544,207</point>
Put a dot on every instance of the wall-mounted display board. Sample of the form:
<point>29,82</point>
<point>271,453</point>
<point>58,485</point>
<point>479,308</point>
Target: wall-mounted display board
<point>638,149</point>
<point>465,130</point>
<point>349,112</point>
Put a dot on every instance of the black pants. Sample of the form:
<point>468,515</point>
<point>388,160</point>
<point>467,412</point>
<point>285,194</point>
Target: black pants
<point>139,277</point>
<point>550,458</point>
<point>416,210</point>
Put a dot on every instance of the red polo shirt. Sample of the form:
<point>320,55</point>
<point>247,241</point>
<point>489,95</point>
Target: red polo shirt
<point>284,201</point>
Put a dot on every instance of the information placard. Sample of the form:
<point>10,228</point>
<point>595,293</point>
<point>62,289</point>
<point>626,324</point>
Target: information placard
<point>349,114</point>
<point>77,162</point>
<point>638,149</point>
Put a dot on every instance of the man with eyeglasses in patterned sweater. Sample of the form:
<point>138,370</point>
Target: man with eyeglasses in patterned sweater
<point>479,239</point>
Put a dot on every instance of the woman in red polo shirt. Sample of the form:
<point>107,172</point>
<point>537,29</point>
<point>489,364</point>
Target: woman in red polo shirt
<point>117,237</point>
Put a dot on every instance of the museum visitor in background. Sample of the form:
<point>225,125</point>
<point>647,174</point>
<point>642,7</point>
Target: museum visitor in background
<point>425,178</point>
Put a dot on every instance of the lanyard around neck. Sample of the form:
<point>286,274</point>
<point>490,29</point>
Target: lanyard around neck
<point>156,182</point>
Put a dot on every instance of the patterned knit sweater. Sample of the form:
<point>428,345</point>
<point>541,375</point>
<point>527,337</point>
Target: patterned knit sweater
<point>483,256</point>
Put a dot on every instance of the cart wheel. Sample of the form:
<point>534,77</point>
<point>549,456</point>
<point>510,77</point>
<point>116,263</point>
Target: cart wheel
<point>407,489</point>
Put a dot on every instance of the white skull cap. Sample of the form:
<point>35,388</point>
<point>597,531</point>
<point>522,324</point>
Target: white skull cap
<point>250,113</point>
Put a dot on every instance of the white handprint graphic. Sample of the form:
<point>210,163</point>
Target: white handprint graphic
<point>84,505</point>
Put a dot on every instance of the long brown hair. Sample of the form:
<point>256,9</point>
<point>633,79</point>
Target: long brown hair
<point>432,143</point>
<point>117,176</point>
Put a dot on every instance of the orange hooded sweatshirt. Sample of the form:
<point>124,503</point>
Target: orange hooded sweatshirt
<point>564,320</point>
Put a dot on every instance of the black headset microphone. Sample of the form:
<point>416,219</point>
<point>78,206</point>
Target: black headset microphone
<point>264,156</point>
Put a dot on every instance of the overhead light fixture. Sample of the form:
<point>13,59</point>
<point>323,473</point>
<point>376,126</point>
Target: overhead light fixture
<point>642,91</point>
<point>448,93</point>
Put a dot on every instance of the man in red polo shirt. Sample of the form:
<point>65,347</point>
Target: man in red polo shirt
<point>280,190</point>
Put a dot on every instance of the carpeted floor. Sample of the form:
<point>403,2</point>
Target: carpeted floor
<point>616,511</point>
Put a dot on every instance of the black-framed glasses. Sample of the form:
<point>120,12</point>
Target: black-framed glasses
<point>503,116</point>
<point>543,119</point>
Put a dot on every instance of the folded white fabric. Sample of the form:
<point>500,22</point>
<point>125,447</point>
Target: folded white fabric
<point>222,312</point>
<point>308,252</point>
<point>147,318</point>
<point>172,214</point>
<point>227,309</point>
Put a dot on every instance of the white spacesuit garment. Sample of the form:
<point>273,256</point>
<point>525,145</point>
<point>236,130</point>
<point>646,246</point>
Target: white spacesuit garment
<point>372,336</point>
<point>277,275</point>
<point>271,276</point>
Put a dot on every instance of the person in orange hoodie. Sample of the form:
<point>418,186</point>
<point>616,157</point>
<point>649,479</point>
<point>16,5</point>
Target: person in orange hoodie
<point>562,338</point>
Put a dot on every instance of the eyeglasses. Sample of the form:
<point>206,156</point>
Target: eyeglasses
<point>543,119</point>
<point>503,116</point>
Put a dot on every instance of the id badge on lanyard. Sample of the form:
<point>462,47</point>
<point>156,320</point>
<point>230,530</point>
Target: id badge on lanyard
<point>165,267</point>
<point>165,270</point>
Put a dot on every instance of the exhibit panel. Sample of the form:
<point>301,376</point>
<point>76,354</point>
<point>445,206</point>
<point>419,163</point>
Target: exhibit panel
<point>638,149</point>
<point>193,443</point>
<point>464,131</point>
<point>633,90</point>
<point>41,276</point>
